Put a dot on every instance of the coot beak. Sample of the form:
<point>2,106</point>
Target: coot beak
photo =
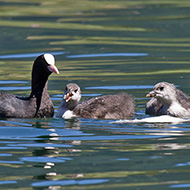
<point>68,96</point>
<point>151,94</point>
<point>53,69</point>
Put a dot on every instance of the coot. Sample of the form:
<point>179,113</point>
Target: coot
<point>119,106</point>
<point>168,100</point>
<point>38,104</point>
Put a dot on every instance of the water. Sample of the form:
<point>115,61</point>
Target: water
<point>107,48</point>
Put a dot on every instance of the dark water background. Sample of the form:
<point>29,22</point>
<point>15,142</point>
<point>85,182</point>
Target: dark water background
<point>106,47</point>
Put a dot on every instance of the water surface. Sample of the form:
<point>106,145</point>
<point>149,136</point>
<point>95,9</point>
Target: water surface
<point>107,48</point>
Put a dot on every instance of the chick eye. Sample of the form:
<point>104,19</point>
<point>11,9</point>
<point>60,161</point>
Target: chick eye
<point>161,88</point>
<point>76,90</point>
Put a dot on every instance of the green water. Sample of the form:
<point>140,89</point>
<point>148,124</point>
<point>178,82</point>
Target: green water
<point>106,47</point>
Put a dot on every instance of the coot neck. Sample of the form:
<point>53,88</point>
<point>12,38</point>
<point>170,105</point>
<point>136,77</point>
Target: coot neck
<point>39,82</point>
<point>38,88</point>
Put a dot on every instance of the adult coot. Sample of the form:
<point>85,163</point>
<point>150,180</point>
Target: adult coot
<point>38,104</point>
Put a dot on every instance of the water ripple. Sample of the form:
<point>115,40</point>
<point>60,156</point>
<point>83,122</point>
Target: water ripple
<point>114,137</point>
<point>44,159</point>
<point>69,182</point>
<point>11,162</point>
<point>42,145</point>
<point>7,182</point>
<point>108,55</point>
<point>28,55</point>
<point>183,164</point>
<point>9,88</point>
<point>186,185</point>
<point>30,133</point>
<point>12,82</point>
<point>127,87</point>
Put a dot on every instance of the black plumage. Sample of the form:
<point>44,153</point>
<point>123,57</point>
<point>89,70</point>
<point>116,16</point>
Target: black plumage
<point>38,104</point>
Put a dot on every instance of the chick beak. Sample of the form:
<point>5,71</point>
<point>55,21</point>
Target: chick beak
<point>151,94</point>
<point>68,96</point>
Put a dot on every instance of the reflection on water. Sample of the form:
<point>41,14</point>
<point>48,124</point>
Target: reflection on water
<point>75,156</point>
<point>105,47</point>
<point>8,88</point>
<point>12,82</point>
<point>27,55</point>
<point>121,87</point>
<point>108,55</point>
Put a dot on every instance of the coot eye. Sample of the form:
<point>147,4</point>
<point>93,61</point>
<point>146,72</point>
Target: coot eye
<point>161,88</point>
<point>75,90</point>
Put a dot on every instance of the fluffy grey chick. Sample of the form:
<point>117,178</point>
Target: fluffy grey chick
<point>168,100</point>
<point>118,106</point>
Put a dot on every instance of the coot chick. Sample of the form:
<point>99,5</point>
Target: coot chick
<point>168,100</point>
<point>118,106</point>
<point>38,104</point>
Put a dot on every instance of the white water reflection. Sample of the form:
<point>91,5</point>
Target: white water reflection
<point>156,119</point>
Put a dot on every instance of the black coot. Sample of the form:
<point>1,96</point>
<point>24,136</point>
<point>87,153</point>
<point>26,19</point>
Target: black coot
<point>38,104</point>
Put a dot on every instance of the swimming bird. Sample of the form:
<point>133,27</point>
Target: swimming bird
<point>168,100</point>
<point>117,106</point>
<point>38,104</point>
